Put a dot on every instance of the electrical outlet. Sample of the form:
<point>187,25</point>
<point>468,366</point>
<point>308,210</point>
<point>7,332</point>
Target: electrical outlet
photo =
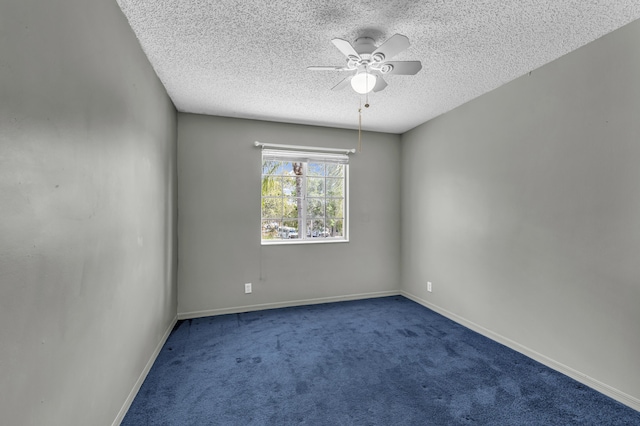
<point>247,288</point>
<point>429,286</point>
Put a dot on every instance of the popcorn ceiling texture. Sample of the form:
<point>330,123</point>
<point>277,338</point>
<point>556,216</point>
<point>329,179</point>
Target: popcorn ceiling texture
<point>248,59</point>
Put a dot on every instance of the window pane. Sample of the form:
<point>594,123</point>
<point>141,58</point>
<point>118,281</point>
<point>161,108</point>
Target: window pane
<point>317,229</point>
<point>315,207</point>
<point>315,169</point>
<point>270,167</point>
<point>271,208</point>
<point>335,170</point>
<point>335,187</point>
<point>315,187</point>
<point>289,186</point>
<point>271,186</point>
<point>291,207</point>
<point>270,229</point>
<point>286,169</point>
<point>335,227</point>
<point>335,208</point>
<point>289,229</point>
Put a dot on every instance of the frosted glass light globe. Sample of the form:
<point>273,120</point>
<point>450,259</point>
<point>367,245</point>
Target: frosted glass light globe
<point>363,82</point>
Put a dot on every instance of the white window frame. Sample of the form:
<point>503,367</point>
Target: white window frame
<point>309,157</point>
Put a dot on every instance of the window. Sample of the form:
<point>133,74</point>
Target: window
<point>304,196</point>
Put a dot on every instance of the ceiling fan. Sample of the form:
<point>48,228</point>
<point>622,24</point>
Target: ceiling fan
<point>370,64</point>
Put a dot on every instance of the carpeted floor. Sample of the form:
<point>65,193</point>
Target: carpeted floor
<point>386,361</point>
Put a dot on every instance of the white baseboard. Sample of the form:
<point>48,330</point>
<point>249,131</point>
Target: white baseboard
<point>143,375</point>
<point>286,304</point>
<point>612,392</point>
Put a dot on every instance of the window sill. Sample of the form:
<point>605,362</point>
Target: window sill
<point>296,241</point>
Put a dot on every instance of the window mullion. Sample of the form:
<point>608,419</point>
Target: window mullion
<point>303,225</point>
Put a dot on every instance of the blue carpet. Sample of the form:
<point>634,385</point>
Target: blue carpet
<point>386,361</point>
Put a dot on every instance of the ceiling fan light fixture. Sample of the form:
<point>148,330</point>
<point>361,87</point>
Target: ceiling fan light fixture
<point>363,82</point>
<point>369,63</point>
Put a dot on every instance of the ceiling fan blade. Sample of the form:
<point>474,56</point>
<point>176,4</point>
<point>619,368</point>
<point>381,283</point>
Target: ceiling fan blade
<point>342,84</point>
<point>404,67</point>
<point>327,68</point>
<point>380,84</point>
<point>346,48</point>
<point>394,45</point>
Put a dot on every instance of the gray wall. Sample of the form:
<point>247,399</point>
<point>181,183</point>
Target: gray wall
<point>523,209</point>
<point>87,209</point>
<point>219,220</point>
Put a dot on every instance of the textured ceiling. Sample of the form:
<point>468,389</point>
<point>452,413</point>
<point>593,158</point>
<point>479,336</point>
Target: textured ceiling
<point>248,59</point>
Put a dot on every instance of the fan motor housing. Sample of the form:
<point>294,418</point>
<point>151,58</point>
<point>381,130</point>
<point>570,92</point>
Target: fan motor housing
<point>364,46</point>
